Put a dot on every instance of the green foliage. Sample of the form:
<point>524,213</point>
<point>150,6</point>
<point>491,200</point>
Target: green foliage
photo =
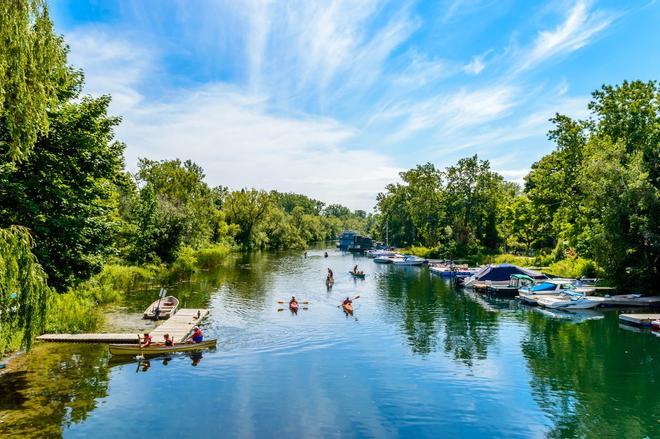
<point>72,313</point>
<point>33,74</point>
<point>185,262</point>
<point>23,288</point>
<point>213,256</point>
<point>64,191</point>
<point>576,268</point>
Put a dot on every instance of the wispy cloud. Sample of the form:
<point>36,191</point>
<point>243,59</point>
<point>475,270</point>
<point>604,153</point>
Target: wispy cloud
<point>579,27</point>
<point>475,66</point>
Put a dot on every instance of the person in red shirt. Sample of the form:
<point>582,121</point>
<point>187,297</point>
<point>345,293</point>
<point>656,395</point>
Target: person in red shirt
<point>197,335</point>
<point>147,340</point>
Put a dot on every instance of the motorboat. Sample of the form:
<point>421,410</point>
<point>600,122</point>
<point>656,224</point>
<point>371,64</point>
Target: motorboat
<point>451,270</point>
<point>551,287</point>
<point>570,300</point>
<point>501,274</point>
<point>516,283</point>
<point>408,260</point>
<point>378,253</point>
<point>386,259</point>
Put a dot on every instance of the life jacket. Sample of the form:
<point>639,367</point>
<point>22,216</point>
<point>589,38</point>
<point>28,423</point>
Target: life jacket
<point>169,342</point>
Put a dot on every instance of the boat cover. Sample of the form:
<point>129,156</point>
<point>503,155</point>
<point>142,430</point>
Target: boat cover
<point>503,272</point>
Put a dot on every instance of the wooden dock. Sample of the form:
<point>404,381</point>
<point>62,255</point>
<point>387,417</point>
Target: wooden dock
<point>179,327</point>
<point>638,319</point>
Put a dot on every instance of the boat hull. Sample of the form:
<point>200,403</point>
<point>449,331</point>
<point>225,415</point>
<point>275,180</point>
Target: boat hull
<point>128,349</point>
<point>167,307</point>
<point>358,275</point>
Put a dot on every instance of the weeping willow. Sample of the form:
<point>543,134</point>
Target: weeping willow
<point>24,291</point>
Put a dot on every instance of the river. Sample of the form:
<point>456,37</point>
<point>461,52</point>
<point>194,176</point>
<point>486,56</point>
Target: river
<point>417,359</point>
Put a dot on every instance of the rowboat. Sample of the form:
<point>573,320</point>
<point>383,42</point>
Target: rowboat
<point>135,349</point>
<point>348,308</point>
<point>162,308</point>
<point>359,275</point>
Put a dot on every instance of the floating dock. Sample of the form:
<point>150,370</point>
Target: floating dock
<point>638,319</point>
<point>179,327</point>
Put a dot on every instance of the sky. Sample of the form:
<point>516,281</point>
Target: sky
<point>334,98</point>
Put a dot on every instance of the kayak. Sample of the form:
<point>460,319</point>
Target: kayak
<point>348,307</point>
<point>134,349</point>
<point>360,275</point>
<point>293,306</point>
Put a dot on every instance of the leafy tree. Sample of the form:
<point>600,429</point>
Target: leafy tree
<point>64,192</point>
<point>23,288</point>
<point>33,71</point>
<point>247,208</point>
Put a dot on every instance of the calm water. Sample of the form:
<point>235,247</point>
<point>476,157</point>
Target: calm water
<point>417,359</point>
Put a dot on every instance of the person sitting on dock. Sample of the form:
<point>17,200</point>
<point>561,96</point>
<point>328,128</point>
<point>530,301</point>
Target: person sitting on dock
<point>197,336</point>
<point>147,340</point>
<point>169,341</point>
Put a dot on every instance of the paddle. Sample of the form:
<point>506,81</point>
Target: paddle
<point>354,298</point>
<point>304,302</point>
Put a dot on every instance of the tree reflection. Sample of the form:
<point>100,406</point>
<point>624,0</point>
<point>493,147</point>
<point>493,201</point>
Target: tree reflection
<point>51,387</point>
<point>594,379</point>
<point>424,303</point>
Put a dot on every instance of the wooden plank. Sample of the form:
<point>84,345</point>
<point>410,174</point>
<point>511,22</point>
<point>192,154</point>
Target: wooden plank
<point>639,319</point>
<point>89,338</point>
<point>179,327</point>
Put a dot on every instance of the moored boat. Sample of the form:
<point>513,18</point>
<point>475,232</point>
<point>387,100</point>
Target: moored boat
<point>408,260</point>
<point>501,274</point>
<point>135,349</point>
<point>162,308</point>
<point>570,300</point>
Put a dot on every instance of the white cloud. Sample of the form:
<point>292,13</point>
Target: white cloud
<point>231,132</point>
<point>579,27</point>
<point>475,66</point>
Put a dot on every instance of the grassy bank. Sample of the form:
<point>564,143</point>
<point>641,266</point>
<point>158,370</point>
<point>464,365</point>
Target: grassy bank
<point>81,308</point>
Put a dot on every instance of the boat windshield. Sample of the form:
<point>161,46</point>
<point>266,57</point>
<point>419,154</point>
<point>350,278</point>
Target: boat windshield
<point>545,286</point>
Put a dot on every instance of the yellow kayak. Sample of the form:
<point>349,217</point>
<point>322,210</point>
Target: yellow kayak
<point>134,349</point>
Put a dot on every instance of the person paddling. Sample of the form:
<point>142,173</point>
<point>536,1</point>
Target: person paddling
<point>348,301</point>
<point>197,335</point>
<point>331,275</point>
<point>146,341</point>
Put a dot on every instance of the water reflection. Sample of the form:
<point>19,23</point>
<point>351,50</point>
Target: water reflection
<point>53,387</point>
<point>593,379</point>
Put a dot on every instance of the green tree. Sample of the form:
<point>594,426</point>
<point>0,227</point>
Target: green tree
<point>64,192</point>
<point>23,288</point>
<point>33,71</point>
<point>246,209</point>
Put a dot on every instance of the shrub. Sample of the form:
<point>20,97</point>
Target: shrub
<point>185,262</point>
<point>576,268</point>
<point>71,312</point>
<point>212,256</point>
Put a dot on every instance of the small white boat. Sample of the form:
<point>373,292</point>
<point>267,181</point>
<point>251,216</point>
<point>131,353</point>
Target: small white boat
<point>378,253</point>
<point>553,287</point>
<point>408,260</point>
<point>162,309</point>
<point>385,259</point>
<point>570,300</point>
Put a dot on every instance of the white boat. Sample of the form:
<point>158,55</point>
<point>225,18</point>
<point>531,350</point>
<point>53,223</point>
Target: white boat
<point>445,270</point>
<point>408,260</point>
<point>500,275</point>
<point>377,253</point>
<point>553,287</point>
<point>570,300</point>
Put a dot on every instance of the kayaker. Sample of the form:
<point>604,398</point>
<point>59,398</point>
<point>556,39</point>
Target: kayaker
<point>331,275</point>
<point>293,301</point>
<point>197,335</point>
<point>355,269</point>
<point>325,255</point>
<point>169,341</point>
<point>348,301</point>
<point>147,340</point>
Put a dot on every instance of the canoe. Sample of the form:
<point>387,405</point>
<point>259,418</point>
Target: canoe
<point>166,308</point>
<point>134,349</point>
<point>360,275</point>
<point>293,306</point>
<point>348,308</point>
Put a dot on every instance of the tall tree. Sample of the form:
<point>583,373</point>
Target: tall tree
<point>33,71</point>
<point>64,191</point>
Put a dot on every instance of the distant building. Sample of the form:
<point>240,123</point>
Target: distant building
<point>351,241</point>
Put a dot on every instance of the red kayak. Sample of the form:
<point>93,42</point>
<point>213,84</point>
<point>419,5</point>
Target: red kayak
<point>348,308</point>
<point>293,306</point>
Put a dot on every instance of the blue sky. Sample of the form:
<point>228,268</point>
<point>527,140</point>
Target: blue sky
<point>334,98</point>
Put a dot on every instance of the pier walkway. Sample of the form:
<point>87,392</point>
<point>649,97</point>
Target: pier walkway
<point>179,326</point>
